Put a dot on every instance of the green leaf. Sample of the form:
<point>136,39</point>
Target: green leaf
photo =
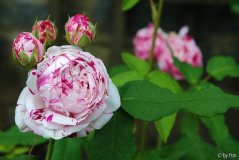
<point>198,87</point>
<point>229,145</point>
<point>220,67</point>
<point>122,78</point>
<point>164,80</point>
<point>164,126</point>
<point>188,147</point>
<point>67,149</point>
<point>135,63</point>
<point>115,141</point>
<point>6,149</point>
<point>217,128</point>
<point>13,136</point>
<point>148,102</point>
<point>22,157</point>
<point>118,69</point>
<point>191,74</point>
<point>189,123</point>
<point>128,4</point>
<point>20,150</point>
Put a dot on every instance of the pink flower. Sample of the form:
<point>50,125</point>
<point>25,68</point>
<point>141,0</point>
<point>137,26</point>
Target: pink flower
<point>143,42</point>
<point>27,50</point>
<point>45,31</point>
<point>68,94</point>
<point>80,31</point>
<point>184,48</point>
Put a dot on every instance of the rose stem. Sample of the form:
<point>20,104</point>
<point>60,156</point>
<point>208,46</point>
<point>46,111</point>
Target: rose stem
<point>156,19</point>
<point>50,149</point>
<point>143,139</point>
<point>32,147</point>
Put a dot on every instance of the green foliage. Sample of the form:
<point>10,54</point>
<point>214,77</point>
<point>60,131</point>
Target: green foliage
<point>217,128</point>
<point>164,80</point>
<point>189,147</point>
<point>219,67</point>
<point>22,157</point>
<point>122,78</point>
<point>128,4</point>
<point>67,149</point>
<point>13,136</point>
<point>189,124</point>
<point>234,5</point>
<point>135,63</point>
<point>198,87</point>
<point>118,69</point>
<point>229,145</point>
<point>164,126</point>
<point>148,102</point>
<point>115,141</point>
<point>6,149</point>
<point>191,74</point>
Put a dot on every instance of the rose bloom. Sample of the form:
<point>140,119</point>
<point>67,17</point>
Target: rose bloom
<point>45,31</point>
<point>27,49</point>
<point>80,31</point>
<point>68,94</point>
<point>143,42</point>
<point>184,48</point>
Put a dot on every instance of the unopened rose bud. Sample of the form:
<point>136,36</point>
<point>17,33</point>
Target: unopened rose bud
<point>45,31</point>
<point>27,50</point>
<point>80,31</point>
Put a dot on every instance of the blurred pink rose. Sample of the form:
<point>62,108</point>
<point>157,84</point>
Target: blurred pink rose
<point>184,48</point>
<point>143,42</point>
<point>80,31</point>
<point>45,31</point>
<point>27,50</point>
<point>68,94</point>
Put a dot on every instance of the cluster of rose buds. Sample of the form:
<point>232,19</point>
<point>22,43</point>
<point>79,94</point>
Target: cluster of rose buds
<point>183,46</point>
<point>29,48</point>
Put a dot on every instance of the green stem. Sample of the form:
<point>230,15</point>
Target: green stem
<point>156,25</point>
<point>207,78</point>
<point>159,142</point>
<point>29,154</point>
<point>143,139</point>
<point>50,149</point>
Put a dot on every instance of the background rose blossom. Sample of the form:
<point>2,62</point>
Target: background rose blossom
<point>27,49</point>
<point>184,48</point>
<point>143,42</point>
<point>68,94</point>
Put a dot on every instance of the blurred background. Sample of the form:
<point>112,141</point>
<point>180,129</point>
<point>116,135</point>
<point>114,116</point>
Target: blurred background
<point>213,23</point>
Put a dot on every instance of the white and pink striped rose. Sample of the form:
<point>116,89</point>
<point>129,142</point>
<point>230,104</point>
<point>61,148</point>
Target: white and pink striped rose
<point>67,94</point>
<point>184,48</point>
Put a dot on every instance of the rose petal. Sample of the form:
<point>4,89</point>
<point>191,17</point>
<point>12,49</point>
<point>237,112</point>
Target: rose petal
<point>21,109</point>
<point>101,121</point>
<point>113,101</point>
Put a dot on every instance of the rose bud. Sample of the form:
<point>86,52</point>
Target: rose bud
<point>184,48</point>
<point>27,50</point>
<point>143,42</point>
<point>80,31</point>
<point>68,94</point>
<point>45,31</point>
